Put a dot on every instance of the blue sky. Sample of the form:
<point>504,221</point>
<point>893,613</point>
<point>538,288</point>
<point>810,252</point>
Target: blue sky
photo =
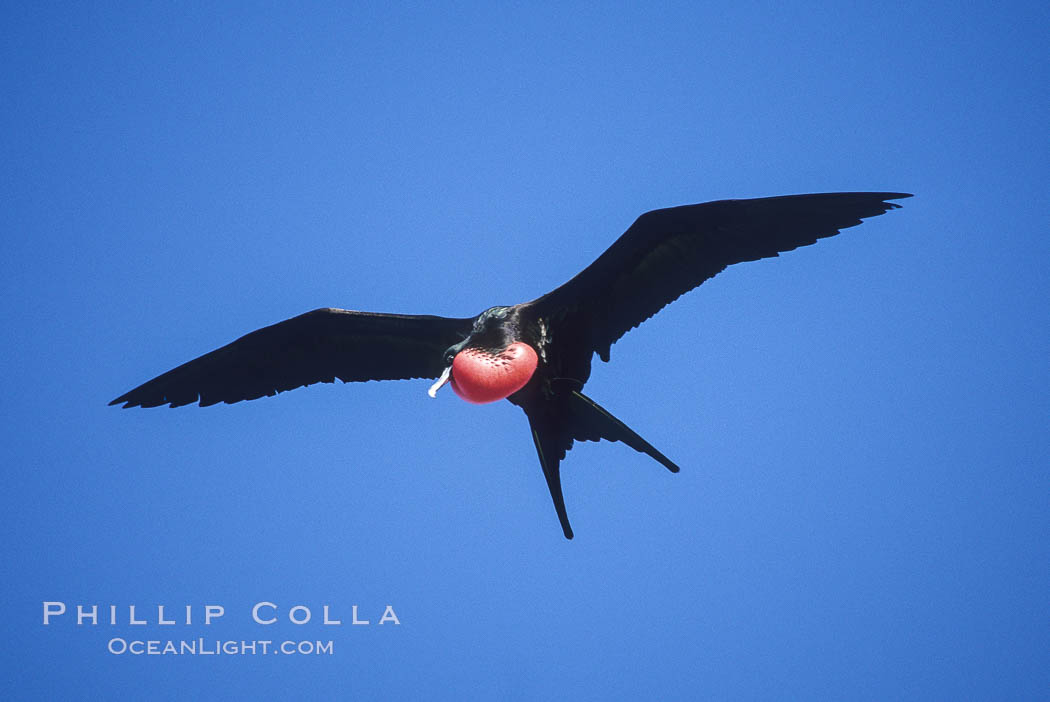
<point>862,511</point>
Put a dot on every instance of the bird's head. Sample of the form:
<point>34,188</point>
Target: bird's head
<point>490,364</point>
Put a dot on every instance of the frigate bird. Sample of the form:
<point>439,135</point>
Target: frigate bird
<point>535,354</point>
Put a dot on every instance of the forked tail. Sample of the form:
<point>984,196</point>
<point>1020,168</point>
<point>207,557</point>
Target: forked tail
<point>578,418</point>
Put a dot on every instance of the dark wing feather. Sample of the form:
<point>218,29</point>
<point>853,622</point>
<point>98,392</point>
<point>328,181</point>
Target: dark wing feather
<point>668,252</point>
<point>315,347</point>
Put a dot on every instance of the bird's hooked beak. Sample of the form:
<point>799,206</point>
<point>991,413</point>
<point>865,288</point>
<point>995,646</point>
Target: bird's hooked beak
<point>446,375</point>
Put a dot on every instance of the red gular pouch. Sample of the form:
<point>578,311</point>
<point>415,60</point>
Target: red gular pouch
<point>480,376</point>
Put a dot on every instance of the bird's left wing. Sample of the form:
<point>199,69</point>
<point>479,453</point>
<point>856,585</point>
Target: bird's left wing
<point>668,252</point>
<point>315,347</point>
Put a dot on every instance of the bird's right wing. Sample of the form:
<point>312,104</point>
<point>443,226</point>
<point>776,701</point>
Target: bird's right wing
<point>315,347</point>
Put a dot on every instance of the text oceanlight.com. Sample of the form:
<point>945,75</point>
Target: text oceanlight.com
<point>205,647</point>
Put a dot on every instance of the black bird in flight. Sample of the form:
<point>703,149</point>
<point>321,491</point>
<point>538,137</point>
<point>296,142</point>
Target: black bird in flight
<point>536,354</point>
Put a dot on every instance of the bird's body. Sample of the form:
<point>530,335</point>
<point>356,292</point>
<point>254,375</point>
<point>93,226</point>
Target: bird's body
<point>536,354</point>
